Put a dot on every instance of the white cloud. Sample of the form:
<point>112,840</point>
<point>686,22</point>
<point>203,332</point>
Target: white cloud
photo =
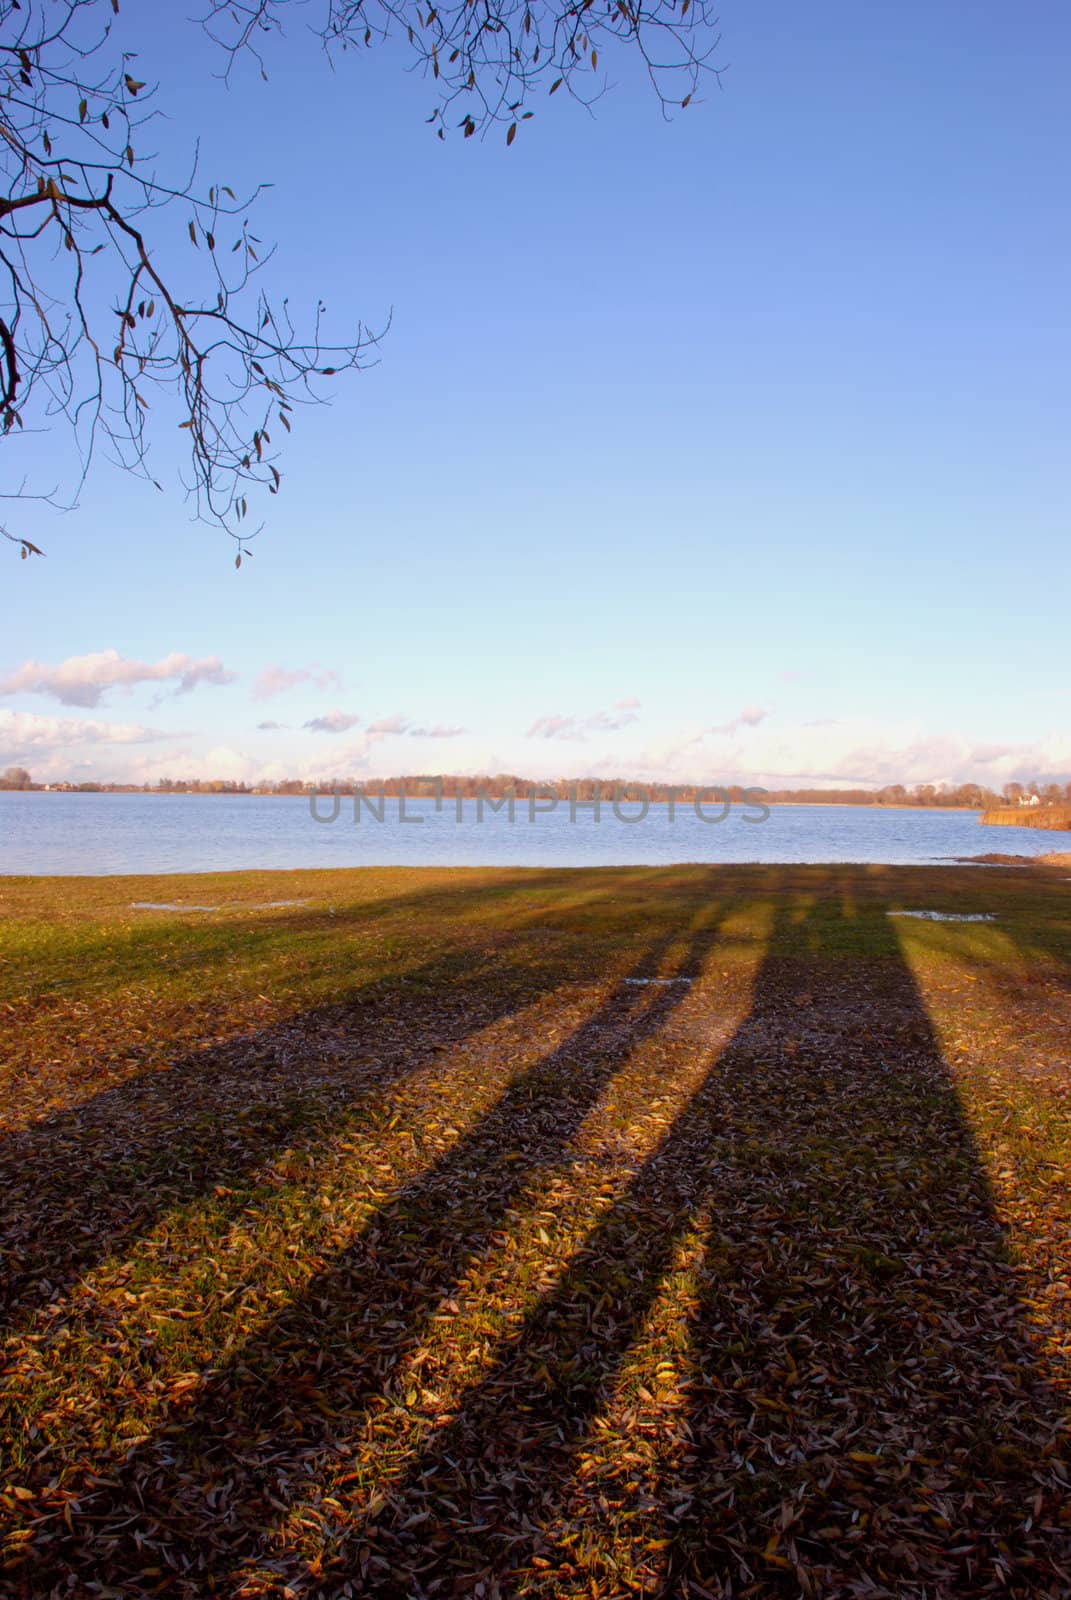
<point>24,733</point>
<point>765,749</point>
<point>332,722</point>
<point>578,728</point>
<point>555,727</point>
<point>611,721</point>
<point>277,680</point>
<point>393,724</point>
<point>183,761</point>
<point>84,680</point>
<point>863,753</point>
<point>343,721</point>
<point>750,717</point>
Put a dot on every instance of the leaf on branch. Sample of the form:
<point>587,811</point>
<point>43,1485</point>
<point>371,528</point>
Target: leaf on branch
<point>132,83</point>
<point>511,133</point>
<point>27,547</point>
<point>83,110</point>
<point>556,85</point>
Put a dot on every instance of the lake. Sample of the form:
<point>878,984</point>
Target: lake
<point>95,834</point>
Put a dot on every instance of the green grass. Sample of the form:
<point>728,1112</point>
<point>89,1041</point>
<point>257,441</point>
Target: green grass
<point>396,1240</point>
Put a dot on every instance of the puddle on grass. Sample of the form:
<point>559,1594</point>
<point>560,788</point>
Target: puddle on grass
<point>658,981</point>
<point>947,916</point>
<point>168,905</point>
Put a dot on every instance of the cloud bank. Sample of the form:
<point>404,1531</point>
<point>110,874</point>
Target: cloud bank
<point>85,680</point>
<point>24,733</point>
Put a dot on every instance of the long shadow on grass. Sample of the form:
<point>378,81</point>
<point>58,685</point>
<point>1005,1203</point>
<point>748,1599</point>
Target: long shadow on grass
<point>117,956</point>
<point>862,1412</point>
<point>199,1500</point>
<point>87,1182</point>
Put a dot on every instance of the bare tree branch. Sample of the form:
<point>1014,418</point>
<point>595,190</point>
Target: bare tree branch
<point>97,326</point>
<point>91,321</point>
<point>489,57</point>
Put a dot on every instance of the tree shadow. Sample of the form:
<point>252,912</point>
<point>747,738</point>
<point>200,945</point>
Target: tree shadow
<point>119,957</point>
<point>248,1444</point>
<point>861,1407</point>
<point>864,1406</point>
<point>88,1181</point>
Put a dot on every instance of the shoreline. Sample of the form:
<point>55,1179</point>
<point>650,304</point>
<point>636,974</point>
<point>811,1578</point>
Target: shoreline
<point>340,875</point>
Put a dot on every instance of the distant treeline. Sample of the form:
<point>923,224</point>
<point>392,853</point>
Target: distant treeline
<point>582,790</point>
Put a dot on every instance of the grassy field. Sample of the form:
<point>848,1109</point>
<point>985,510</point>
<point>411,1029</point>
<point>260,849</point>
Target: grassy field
<point>692,1231</point>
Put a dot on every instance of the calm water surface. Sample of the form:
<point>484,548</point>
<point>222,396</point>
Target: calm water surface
<point>141,833</point>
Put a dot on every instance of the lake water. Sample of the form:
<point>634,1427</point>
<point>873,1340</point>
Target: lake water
<point>143,833</point>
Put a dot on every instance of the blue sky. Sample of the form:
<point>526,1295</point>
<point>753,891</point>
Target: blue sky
<point>733,447</point>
